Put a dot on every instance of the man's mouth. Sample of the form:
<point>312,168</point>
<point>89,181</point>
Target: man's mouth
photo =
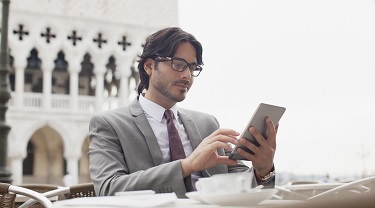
<point>183,84</point>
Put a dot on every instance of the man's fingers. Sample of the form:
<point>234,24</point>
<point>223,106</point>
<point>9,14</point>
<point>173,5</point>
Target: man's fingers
<point>259,137</point>
<point>227,132</point>
<point>226,160</point>
<point>251,146</point>
<point>223,139</point>
<point>245,154</point>
<point>218,144</point>
<point>272,132</point>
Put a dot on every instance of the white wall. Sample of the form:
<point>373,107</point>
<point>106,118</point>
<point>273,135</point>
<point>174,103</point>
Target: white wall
<point>316,58</point>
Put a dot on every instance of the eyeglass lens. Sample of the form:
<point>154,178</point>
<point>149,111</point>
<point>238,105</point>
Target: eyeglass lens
<point>180,65</point>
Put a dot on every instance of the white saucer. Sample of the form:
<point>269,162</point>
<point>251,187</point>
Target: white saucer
<point>235,199</point>
<point>195,195</point>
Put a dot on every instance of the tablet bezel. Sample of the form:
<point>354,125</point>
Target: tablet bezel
<point>258,121</point>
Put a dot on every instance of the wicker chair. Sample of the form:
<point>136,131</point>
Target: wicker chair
<point>8,195</point>
<point>75,191</point>
<point>40,188</point>
<point>6,199</point>
<point>80,191</point>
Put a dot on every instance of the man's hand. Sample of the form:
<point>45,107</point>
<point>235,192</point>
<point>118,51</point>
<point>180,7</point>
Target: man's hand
<point>262,159</point>
<point>205,156</point>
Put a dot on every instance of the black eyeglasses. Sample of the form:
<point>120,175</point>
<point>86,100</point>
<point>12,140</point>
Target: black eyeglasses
<point>179,64</point>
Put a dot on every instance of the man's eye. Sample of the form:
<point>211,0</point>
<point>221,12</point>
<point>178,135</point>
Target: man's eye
<point>177,65</point>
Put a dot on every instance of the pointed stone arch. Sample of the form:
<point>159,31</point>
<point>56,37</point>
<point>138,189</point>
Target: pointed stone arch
<point>111,78</point>
<point>12,74</point>
<point>133,80</point>
<point>60,75</point>
<point>87,81</point>
<point>33,73</point>
<point>45,147</point>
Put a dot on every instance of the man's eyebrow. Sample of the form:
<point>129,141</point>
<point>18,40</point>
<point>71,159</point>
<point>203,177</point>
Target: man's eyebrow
<point>176,57</point>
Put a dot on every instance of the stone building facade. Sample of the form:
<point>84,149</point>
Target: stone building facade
<point>70,59</point>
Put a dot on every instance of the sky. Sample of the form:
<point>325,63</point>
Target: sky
<point>314,57</point>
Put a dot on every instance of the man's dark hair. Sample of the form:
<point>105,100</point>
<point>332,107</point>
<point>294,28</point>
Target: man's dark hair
<point>164,43</point>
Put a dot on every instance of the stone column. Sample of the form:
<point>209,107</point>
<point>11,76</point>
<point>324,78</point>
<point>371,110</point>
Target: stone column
<point>72,166</point>
<point>74,90</point>
<point>17,169</point>
<point>99,91</point>
<point>17,153</point>
<point>74,68</point>
<point>47,67</point>
<point>124,67</point>
<point>74,58</point>
<point>20,65</point>
<point>99,71</point>
<point>20,54</point>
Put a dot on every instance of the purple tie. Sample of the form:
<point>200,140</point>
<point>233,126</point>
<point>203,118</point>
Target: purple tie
<point>175,144</point>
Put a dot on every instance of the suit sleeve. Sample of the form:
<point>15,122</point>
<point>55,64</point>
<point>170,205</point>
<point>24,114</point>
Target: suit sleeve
<point>110,173</point>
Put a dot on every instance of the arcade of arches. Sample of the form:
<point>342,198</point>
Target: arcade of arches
<point>45,163</point>
<point>33,76</point>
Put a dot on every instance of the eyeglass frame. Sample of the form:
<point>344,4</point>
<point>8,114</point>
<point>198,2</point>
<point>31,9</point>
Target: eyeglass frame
<point>198,68</point>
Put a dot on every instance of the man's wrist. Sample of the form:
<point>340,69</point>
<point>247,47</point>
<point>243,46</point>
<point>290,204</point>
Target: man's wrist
<point>185,168</point>
<point>266,178</point>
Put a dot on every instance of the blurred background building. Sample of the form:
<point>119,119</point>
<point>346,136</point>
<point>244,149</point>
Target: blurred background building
<point>70,59</point>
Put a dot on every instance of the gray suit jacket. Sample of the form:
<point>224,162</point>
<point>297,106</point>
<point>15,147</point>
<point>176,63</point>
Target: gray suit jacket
<point>125,155</point>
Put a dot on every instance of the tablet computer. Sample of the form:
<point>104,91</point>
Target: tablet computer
<point>258,121</point>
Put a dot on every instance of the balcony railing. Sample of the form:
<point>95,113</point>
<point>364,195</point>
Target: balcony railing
<point>32,100</point>
<point>86,103</point>
<point>58,102</point>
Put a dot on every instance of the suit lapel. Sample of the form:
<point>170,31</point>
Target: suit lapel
<point>191,130</point>
<point>144,126</point>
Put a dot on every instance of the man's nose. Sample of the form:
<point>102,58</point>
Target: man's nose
<point>186,73</point>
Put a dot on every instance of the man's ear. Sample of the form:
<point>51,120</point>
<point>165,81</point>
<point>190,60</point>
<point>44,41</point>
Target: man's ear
<point>148,66</point>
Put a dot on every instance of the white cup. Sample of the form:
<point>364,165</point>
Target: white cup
<point>225,183</point>
<point>233,182</point>
<point>205,185</point>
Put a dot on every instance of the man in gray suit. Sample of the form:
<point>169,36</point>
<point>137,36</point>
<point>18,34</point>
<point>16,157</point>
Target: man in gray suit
<point>129,146</point>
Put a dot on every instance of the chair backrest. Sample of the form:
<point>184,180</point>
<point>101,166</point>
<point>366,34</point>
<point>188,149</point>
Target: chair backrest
<point>61,191</point>
<point>7,199</point>
<point>80,191</point>
<point>39,187</point>
<point>365,185</point>
<point>7,188</point>
<point>75,191</point>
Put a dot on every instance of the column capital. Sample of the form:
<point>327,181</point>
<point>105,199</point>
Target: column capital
<point>74,58</point>
<point>99,64</point>
<point>16,151</point>
<point>47,64</point>
<point>48,61</point>
<point>72,155</point>
<point>20,64</point>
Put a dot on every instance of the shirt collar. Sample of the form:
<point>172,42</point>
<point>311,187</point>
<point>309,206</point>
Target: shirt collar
<point>155,110</point>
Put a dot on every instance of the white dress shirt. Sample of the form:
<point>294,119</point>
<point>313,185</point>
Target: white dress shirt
<point>155,116</point>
